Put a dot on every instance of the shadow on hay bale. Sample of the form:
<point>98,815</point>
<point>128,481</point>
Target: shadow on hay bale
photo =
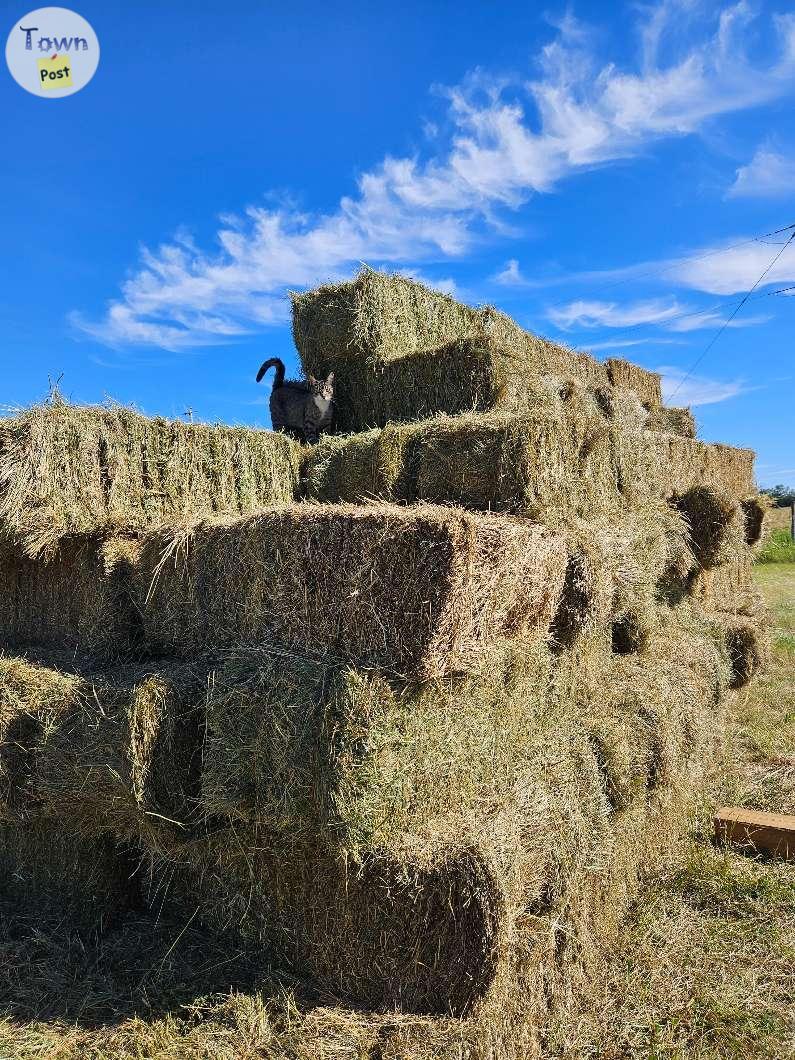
<point>716,524</point>
<point>117,753</point>
<point>401,351</point>
<point>77,600</point>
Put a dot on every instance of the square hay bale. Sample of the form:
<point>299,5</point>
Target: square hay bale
<point>125,758</point>
<point>76,600</point>
<point>401,351</point>
<point>117,753</point>
<point>632,377</point>
<point>67,468</point>
<point>556,459</point>
<point>458,849</point>
<point>649,463</point>
<point>31,697</point>
<point>418,591</point>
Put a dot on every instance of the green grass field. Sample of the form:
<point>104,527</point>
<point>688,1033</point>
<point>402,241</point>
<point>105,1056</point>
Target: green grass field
<point>705,968</point>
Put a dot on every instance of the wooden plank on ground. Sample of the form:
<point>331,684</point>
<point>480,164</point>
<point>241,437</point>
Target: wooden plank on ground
<point>773,833</point>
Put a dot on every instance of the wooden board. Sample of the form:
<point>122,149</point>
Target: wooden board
<point>773,833</point>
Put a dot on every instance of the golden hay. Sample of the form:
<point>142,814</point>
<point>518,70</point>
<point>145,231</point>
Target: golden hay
<point>716,522</point>
<point>418,591</point>
<point>663,464</point>
<point>531,464</point>
<point>459,848</point>
<point>401,351</point>
<point>66,468</point>
<point>566,457</point>
<point>672,421</point>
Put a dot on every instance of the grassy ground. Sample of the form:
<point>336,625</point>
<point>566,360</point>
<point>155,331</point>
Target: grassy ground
<point>705,969</point>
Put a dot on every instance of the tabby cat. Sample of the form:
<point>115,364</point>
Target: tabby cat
<point>301,409</point>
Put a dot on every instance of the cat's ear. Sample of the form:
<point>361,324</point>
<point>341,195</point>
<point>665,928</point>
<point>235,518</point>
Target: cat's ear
<point>311,379</point>
<point>330,379</point>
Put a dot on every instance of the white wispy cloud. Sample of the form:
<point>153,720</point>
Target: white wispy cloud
<point>768,175</point>
<point>583,313</point>
<point>510,139</point>
<point>669,314</point>
<point>679,388</point>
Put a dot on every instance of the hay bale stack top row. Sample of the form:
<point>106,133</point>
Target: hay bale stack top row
<point>415,706</point>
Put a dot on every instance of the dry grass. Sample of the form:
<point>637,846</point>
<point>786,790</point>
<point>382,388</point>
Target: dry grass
<point>566,456</point>
<point>76,601</point>
<point>418,591</point>
<point>705,967</point>
<point>401,351</point>
<point>68,468</point>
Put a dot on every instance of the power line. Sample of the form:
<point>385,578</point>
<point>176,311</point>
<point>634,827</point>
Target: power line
<point>728,321</point>
<point>679,261</point>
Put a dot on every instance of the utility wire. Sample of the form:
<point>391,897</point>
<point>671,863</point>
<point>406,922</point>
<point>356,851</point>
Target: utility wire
<point>679,261</point>
<point>664,321</point>
<point>728,321</point>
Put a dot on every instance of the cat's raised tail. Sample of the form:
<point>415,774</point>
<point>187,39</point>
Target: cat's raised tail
<point>278,364</point>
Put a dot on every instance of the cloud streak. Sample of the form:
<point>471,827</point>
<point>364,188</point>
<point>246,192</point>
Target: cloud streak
<point>679,388</point>
<point>510,139</point>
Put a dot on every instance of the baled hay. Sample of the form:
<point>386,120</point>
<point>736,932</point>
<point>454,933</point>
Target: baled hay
<point>88,881</point>
<point>716,521</point>
<point>361,329</point>
<point>125,758</point>
<point>620,566</point>
<point>78,600</point>
<point>417,591</point>
<point>564,458</point>
<point>528,799</point>
<point>67,468</point>
<point>672,421</point>
<point>650,463</point>
<point>31,697</point>
<point>551,459</point>
<point>632,377</point>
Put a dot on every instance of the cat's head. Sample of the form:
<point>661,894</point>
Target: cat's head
<point>322,387</point>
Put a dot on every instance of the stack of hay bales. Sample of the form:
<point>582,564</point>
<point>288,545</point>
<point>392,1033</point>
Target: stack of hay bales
<point>415,707</point>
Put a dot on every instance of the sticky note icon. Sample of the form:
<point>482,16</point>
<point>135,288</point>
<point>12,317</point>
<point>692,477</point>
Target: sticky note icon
<point>55,72</point>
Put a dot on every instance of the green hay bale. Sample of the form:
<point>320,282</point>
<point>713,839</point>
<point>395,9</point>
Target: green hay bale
<point>70,468</point>
<point>420,591</point>
<point>556,459</point>
<point>117,753</point>
<point>401,351</point>
<point>672,421</point>
<point>566,457</point>
<point>77,601</point>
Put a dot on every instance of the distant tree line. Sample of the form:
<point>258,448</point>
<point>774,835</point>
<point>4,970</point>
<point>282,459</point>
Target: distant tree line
<point>783,496</point>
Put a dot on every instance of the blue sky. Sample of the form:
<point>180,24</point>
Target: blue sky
<point>603,173</point>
